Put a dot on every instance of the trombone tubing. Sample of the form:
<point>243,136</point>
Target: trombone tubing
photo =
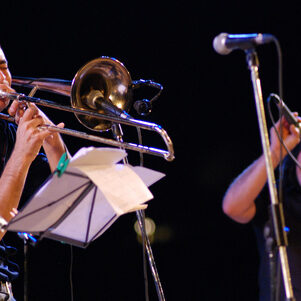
<point>167,155</point>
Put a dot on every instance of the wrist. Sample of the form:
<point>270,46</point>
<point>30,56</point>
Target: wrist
<point>54,150</point>
<point>275,157</point>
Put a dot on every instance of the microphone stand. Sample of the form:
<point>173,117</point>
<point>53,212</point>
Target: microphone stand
<point>276,207</point>
<point>25,270</point>
<point>27,239</point>
<point>118,135</point>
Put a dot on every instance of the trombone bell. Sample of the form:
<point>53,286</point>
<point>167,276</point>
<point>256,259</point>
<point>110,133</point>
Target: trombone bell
<point>104,79</point>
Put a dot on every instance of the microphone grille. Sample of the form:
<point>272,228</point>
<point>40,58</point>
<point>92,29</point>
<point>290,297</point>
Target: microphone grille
<point>219,44</point>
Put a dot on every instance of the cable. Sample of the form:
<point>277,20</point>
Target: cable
<point>279,137</point>
<point>143,235</point>
<point>140,143</point>
<point>280,88</point>
<point>71,272</point>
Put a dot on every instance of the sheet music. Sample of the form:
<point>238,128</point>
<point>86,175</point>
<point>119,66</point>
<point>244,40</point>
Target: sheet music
<point>121,186</point>
<point>91,194</point>
<point>97,156</point>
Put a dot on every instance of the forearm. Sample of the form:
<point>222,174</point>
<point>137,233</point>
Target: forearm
<point>54,148</point>
<point>12,183</point>
<point>239,200</point>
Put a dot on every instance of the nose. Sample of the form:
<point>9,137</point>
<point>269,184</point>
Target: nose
<point>3,79</point>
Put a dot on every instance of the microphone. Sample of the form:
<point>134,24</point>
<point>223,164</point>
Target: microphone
<point>225,43</point>
<point>95,100</point>
<point>143,107</point>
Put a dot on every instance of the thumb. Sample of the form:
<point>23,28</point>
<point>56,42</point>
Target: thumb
<point>295,130</point>
<point>61,125</point>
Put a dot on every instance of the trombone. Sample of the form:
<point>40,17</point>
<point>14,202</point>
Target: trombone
<point>101,95</point>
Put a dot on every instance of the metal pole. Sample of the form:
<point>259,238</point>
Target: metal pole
<point>277,212</point>
<point>151,259</point>
<point>118,135</point>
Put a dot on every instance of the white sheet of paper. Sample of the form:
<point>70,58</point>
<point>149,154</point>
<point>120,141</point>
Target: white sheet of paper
<point>148,176</point>
<point>121,186</point>
<point>97,156</point>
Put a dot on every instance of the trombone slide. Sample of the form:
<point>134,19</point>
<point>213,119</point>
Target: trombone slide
<point>167,155</point>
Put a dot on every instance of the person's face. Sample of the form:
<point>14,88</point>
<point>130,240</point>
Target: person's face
<point>4,71</point>
<point>5,79</point>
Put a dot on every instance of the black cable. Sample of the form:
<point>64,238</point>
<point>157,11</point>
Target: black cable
<point>280,89</point>
<point>140,143</point>
<point>278,135</point>
<point>71,272</point>
<point>143,235</point>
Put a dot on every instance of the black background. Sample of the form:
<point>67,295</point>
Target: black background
<point>207,107</point>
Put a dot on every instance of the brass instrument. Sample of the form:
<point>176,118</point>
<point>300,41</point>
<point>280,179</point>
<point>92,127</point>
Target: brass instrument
<point>101,96</point>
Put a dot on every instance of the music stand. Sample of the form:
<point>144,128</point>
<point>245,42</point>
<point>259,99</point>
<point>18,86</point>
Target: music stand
<point>79,205</point>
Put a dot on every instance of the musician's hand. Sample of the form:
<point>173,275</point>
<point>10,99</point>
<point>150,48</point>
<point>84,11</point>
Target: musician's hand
<point>53,144</point>
<point>290,137</point>
<point>17,109</point>
<point>29,137</point>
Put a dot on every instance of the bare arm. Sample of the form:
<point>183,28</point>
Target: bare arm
<point>239,200</point>
<point>12,184</point>
<point>28,143</point>
<point>54,148</point>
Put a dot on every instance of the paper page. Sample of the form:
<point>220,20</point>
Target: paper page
<point>122,187</point>
<point>148,176</point>
<point>97,156</point>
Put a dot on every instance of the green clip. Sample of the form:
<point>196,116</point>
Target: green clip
<point>62,165</point>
